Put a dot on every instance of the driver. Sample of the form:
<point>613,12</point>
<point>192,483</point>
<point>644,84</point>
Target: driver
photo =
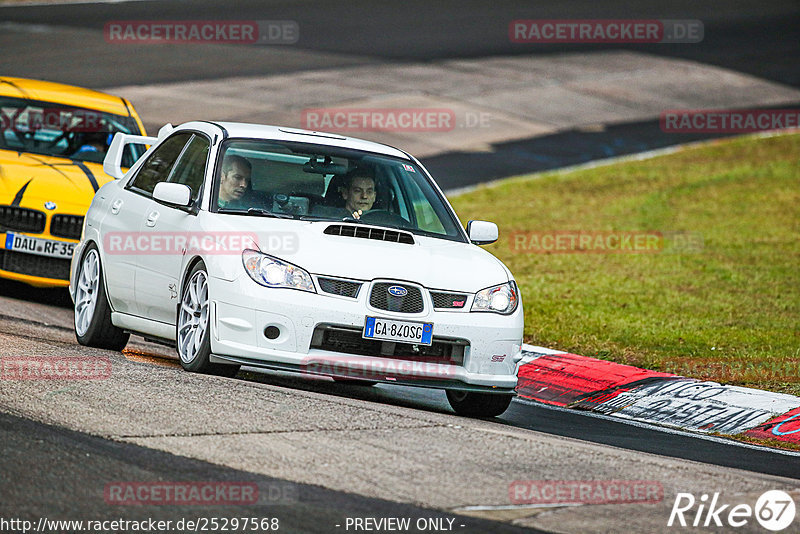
<point>93,148</point>
<point>234,182</point>
<point>358,193</point>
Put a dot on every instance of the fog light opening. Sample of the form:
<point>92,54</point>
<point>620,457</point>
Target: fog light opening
<point>272,332</point>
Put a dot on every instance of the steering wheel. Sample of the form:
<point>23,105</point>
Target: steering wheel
<point>384,217</point>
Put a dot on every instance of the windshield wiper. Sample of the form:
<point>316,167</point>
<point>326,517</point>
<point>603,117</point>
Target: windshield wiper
<point>266,213</point>
<point>257,211</point>
<point>314,218</point>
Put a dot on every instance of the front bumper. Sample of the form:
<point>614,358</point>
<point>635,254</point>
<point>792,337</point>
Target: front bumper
<point>33,269</point>
<point>482,350</point>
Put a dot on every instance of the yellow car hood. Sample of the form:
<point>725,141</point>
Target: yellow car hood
<point>31,180</point>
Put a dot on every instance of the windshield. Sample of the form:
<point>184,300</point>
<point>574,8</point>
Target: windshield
<point>64,131</point>
<point>313,182</point>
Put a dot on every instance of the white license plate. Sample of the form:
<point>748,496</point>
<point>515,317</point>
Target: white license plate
<point>402,331</point>
<point>39,246</point>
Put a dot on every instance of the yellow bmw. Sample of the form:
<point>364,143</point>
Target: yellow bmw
<point>53,139</point>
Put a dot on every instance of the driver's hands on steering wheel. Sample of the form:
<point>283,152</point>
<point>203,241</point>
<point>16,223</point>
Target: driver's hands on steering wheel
<point>357,214</point>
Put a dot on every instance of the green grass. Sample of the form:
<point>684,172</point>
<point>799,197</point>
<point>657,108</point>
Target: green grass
<point>728,310</point>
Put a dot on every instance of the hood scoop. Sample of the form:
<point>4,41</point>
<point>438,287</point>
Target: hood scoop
<point>367,232</point>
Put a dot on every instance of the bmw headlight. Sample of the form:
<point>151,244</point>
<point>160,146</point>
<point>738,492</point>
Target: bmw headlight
<point>502,299</point>
<point>272,272</point>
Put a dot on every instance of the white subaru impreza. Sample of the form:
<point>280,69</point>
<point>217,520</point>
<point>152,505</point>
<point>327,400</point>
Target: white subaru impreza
<point>276,248</point>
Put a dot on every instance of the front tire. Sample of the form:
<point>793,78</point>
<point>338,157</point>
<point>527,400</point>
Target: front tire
<point>93,327</point>
<point>193,327</point>
<point>473,404</point>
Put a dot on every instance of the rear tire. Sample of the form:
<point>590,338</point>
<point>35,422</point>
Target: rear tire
<point>473,404</point>
<point>92,324</point>
<point>193,329</point>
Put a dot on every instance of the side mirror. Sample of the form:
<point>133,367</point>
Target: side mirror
<point>482,232</point>
<point>173,194</point>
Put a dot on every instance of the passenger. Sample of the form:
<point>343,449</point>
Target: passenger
<point>234,183</point>
<point>358,193</point>
<point>93,147</point>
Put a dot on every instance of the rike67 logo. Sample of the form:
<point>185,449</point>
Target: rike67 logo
<point>774,510</point>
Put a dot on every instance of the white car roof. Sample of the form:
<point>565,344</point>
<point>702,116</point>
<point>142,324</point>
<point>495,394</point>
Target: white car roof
<point>283,133</point>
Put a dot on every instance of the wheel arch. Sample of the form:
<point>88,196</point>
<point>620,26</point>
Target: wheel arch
<point>188,269</point>
<point>183,281</point>
<point>85,250</point>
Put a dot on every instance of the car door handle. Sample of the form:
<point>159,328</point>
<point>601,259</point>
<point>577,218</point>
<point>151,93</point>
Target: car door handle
<point>115,206</point>
<point>152,218</point>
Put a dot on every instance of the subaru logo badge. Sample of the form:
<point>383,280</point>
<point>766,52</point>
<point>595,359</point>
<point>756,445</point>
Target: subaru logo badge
<point>50,205</point>
<point>397,291</point>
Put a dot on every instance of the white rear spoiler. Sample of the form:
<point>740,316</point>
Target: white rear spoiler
<point>112,164</point>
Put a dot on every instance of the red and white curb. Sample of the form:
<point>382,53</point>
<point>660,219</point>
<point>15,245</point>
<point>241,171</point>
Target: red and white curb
<point>583,383</point>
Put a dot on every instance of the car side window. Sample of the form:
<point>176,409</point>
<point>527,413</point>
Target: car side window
<point>425,216</point>
<point>159,164</point>
<point>191,168</point>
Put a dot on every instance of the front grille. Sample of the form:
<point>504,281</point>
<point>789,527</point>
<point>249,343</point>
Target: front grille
<point>450,301</point>
<point>349,341</point>
<point>344,288</point>
<point>34,265</point>
<point>367,232</point>
<point>68,226</point>
<point>381,299</point>
<point>22,219</point>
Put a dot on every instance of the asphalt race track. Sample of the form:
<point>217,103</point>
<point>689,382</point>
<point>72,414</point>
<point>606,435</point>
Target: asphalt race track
<point>761,41</point>
<point>330,451</point>
<point>65,43</point>
<point>79,465</point>
<point>321,452</point>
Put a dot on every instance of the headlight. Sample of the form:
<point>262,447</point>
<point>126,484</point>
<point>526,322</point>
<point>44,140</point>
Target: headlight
<point>272,272</point>
<point>499,299</point>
